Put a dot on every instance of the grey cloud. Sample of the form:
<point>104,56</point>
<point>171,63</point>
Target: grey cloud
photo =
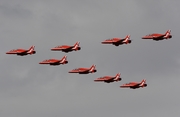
<point>29,89</point>
<point>15,11</point>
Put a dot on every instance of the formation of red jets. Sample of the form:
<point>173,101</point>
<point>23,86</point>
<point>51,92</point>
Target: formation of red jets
<point>92,69</point>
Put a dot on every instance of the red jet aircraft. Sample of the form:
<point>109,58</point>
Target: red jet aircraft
<point>134,85</point>
<point>118,41</point>
<point>22,52</point>
<point>108,79</point>
<point>157,37</point>
<point>67,48</point>
<point>84,70</point>
<point>55,61</point>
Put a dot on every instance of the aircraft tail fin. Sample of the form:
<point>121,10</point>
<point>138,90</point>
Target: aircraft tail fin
<point>117,77</point>
<point>76,46</point>
<point>64,59</point>
<point>126,40</point>
<point>167,34</point>
<point>92,68</point>
<point>143,82</point>
<point>31,50</point>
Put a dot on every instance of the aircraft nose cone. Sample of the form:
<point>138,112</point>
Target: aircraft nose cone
<point>144,37</point>
<point>54,48</point>
<point>121,86</point>
<point>103,42</point>
<point>7,52</point>
<point>42,62</point>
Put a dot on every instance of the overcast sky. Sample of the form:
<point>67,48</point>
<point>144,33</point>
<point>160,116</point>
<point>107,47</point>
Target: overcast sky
<point>28,89</point>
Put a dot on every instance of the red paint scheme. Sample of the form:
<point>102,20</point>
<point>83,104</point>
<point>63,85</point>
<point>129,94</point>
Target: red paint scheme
<point>109,79</point>
<point>157,37</point>
<point>55,61</point>
<point>134,85</point>
<point>117,41</point>
<point>67,48</point>
<point>92,69</point>
<point>22,52</point>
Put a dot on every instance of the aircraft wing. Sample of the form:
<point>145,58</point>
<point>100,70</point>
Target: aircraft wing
<point>119,41</point>
<point>19,52</point>
<point>160,36</point>
<point>23,52</point>
<point>54,62</point>
<point>104,79</point>
<point>151,36</point>
<point>111,41</point>
<point>63,47</point>
<point>82,71</point>
<point>108,78</point>
<point>115,41</point>
<point>67,48</point>
<point>129,85</point>
<point>78,71</point>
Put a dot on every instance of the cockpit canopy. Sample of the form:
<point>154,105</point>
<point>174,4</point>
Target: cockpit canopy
<point>148,34</point>
<point>76,69</point>
<point>109,39</point>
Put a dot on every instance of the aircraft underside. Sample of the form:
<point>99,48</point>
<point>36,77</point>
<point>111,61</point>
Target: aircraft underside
<point>134,87</point>
<point>117,44</point>
<point>158,39</point>
<point>83,72</point>
<point>20,54</point>
<point>25,53</point>
<point>67,50</point>
<point>109,81</point>
<point>54,64</point>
